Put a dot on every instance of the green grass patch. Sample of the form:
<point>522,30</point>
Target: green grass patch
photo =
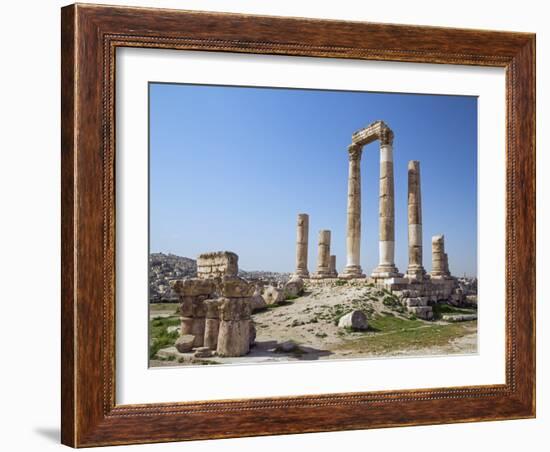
<point>164,307</point>
<point>395,333</point>
<point>440,309</point>
<point>341,282</point>
<point>392,323</point>
<point>159,335</point>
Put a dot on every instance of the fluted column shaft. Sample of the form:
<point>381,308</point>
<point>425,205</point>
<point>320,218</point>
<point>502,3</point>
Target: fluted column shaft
<point>415,269</point>
<point>353,234</point>
<point>386,266</point>
<point>302,238</point>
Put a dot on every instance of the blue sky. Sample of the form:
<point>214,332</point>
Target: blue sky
<point>231,167</point>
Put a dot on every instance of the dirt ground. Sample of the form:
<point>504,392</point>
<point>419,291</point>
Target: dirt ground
<point>310,321</point>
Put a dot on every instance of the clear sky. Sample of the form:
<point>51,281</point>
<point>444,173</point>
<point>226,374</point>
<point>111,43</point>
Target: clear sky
<point>231,167</point>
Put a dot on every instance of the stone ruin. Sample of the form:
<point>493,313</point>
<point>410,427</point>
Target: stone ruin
<point>416,288</point>
<point>216,308</point>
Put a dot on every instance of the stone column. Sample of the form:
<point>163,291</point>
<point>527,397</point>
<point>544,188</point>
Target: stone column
<point>440,265</point>
<point>353,234</point>
<point>302,234</point>
<point>234,327</point>
<point>415,270</point>
<point>212,323</point>
<point>323,256</point>
<point>386,266</point>
<point>332,267</point>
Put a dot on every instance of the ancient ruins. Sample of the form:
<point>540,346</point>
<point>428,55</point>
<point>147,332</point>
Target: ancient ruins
<point>416,287</point>
<point>216,306</point>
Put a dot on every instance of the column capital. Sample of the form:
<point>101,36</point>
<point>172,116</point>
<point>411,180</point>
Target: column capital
<point>386,136</point>
<point>355,151</point>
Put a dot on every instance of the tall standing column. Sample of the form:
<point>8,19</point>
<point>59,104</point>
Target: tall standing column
<point>440,264</point>
<point>386,266</point>
<point>353,234</point>
<point>323,256</point>
<point>302,237</point>
<point>415,270</point>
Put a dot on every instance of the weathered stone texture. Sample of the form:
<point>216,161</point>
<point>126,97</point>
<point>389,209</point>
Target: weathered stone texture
<point>186,325</point>
<point>294,287</point>
<point>353,232</point>
<point>440,262</point>
<point>323,257</point>
<point>273,295</point>
<point>302,238</point>
<point>234,338</point>
<point>216,304</point>
<point>185,343</point>
<point>234,286</point>
<point>192,287</point>
<point>415,270</point>
<point>217,264</point>
<point>356,320</point>
<point>332,267</point>
<point>211,332</point>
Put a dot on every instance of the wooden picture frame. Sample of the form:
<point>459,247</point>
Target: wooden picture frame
<point>90,35</point>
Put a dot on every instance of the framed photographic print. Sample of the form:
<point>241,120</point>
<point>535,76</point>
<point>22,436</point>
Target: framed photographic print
<point>281,225</point>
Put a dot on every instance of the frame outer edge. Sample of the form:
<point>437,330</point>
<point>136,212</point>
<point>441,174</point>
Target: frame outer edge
<point>68,242</point>
<point>86,420</point>
<point>525,62</point>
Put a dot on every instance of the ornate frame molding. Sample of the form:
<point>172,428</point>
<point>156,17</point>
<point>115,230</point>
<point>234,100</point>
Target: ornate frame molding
<point>90,36</point>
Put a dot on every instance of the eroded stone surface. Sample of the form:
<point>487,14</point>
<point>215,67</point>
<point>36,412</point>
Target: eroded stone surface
<point>235,287</point>
<point>192,287</point>
<point>323,256</point>
<point>294,287</point>
<point>234,338</point>
<point>217,264</point>
<point>185,343</point>
<point>302,238</point>
<point>356,320</point>
<point>273,295</point>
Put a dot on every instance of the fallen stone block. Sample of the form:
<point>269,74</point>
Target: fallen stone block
<point>459,317</point>
<point>356,320</point>
<point>273,295</point>
<point>203,352</point>
<point>185,343</point>
<point>294,287</point>
<point>169,353</point>
<point>257,303</point>
<point>422,312</point>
